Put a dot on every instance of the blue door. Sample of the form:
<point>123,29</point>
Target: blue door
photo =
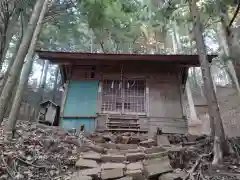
<point>80,106</point>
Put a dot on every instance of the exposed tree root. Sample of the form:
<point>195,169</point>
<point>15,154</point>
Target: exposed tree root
<point>7,168</point>
<point>201,174</point>
<point>30,164</point>
<point>195,167</point>
<point>217,150</point>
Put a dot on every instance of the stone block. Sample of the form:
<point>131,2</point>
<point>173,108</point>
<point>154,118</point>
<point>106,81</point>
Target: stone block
<point>113,158</point>
<point>95,147</point>
<point>86,163</point>
<point>90,172</point>
<point>156,155</point>
<point>173,176</point>
<point>127,146</point>
<point>111,173</point>
<point>135,139</point>
<point>122,139</point>
<point>174,148</point>
<point>136,174</point>
<point>109,137</point>
<point>82,178</point>
<point>91,155</point>
<point>115,151</point>
<point>135,156</point>
<point>113,166</point>
<point>162,140</point>
<point>158,166</point>
<point>135,166</point>
<point>132,151</point>
<point>126,178</point>
<point>109,145</point>
<point>148,143</point>
<point>156,149</point>
<point>192,138</point>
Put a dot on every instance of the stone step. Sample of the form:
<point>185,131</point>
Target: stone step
<point>124,126</point>
<point>122,123</point>
<point>126,129</point>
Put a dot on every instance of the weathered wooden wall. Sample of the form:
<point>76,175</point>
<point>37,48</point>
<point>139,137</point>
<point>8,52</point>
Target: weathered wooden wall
<point>163,93</point>
<point>165,104</point>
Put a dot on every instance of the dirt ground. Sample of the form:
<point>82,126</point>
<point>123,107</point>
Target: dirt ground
<point>42,152</point>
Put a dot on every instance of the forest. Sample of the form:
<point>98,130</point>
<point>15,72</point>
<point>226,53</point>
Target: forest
<point>110,26</point>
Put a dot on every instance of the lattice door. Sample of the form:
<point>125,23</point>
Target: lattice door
<point>127,96</point>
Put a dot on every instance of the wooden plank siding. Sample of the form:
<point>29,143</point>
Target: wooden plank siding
<point>163,95</point>
<point>80,105</point>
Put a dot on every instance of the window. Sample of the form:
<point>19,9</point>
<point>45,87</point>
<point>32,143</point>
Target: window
<point>127,96</point>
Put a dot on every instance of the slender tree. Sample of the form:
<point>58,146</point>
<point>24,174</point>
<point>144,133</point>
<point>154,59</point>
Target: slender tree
<point>226,38</point>
<point>19,60</point>
<point>25,73</point>
<point>10,32</point>
<point>7,16</point>
<point>56,73</point>
<point>220,144</point>
<point>14,53</point>
<point>43,81</point>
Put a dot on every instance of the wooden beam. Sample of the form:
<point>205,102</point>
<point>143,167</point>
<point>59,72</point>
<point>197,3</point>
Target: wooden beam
<point>79,117</point>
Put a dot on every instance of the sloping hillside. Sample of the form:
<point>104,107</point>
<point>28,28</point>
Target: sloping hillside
<point>229,103</point>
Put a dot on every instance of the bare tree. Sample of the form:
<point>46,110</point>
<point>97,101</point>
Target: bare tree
<point>19,60</point>
<point>14,53</point>
<point>9,15</point>
<point>25,73</point>
<point>43,81</point>
<point>229,47</point>
<point>220,144</point>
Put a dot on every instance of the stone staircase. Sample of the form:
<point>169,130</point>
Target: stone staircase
<point>123,123</point>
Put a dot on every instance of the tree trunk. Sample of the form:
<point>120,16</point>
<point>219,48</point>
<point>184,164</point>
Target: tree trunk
<point>220,143</point>
<point>230,50</point>
<point>55,85</point>
<point>40,91</point>
<point>9,106</point>
<point>25,73</point>
<point>43,81</point>
<point>10,63</point>
<point>9,34</point>
<point>213,81</point>
<point>178,48</point>
<point>226,53</point>
<point>176,37</point>
<point>43,65</point>
<point>232,74</point>
<point>19,60</point>
<point>194,74</point>
<point>174,41</point>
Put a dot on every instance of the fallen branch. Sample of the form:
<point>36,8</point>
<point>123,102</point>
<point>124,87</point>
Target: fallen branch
<point>30,164</point>
<point>195,167</point>
<point>7,168</point>
<point>49,176</point>
<point>189,143</point>
<point>201,174</point>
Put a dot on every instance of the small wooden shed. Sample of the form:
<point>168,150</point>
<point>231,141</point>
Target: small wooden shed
<point>49,113</point>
